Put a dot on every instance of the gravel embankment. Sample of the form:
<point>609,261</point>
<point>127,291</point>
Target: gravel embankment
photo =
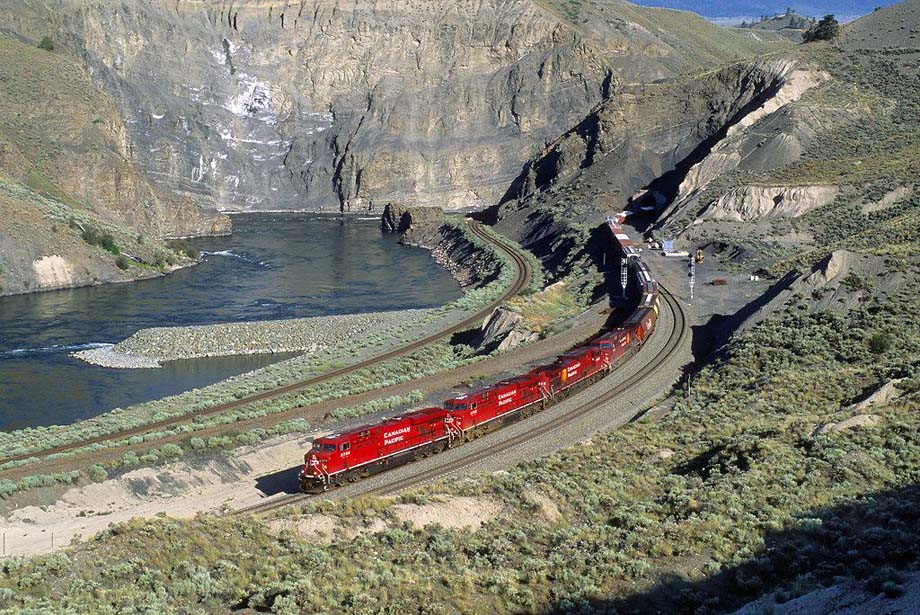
<point>149,347</point>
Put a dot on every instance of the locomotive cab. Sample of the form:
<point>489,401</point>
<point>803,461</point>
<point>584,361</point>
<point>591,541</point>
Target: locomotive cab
<point>323,458</point>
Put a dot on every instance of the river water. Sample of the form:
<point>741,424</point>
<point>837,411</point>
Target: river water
<point>273,266</point>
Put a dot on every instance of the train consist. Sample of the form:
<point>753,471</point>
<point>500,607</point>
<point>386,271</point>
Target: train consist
<point>369,449</point>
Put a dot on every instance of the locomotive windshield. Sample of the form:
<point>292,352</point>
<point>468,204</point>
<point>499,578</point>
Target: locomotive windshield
<point>319,446</point>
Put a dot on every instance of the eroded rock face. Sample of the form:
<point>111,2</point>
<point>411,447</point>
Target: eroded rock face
<point>752,203</point>
<point>53,272</point>
<point>330,104</point>
<point>67,171</point>
<point>419,226</point>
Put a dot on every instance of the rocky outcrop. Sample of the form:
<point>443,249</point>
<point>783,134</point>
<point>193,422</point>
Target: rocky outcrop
<point>503,329</point>
<point>652,137</point>
<point>854,422</point>
<point>752,203</point>
<point>889,200</point>
<point>467,263</point>
<point>773,146</point>
<point>419,226</point>
<point>331,104</point>
<point>883,395</point>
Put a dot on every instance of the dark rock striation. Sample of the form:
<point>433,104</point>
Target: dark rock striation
<point>339,105</point>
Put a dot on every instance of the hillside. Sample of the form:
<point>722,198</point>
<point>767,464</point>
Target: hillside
<point>781,469</point>
<point>66,169</point>
<point>789,24</point>
<point>336,105</point>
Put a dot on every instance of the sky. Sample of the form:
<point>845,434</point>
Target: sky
<point>847,9</point>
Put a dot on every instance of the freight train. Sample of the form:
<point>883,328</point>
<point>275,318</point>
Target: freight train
<point>369,449</point>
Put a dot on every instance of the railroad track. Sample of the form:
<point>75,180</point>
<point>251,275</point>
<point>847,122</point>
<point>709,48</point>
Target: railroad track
<point>522,279</point>
<point>676,337</point>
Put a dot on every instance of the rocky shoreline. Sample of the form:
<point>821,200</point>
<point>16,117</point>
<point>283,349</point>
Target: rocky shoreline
<point>148,348</point>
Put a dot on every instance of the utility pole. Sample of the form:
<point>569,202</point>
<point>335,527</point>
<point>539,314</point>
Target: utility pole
<point>624,275</point>
<point>692,275</point>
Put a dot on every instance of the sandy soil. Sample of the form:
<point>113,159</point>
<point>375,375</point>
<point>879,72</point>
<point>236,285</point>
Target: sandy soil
<point>181,489</point>
<point>459,513</point>
<point>467,513</point>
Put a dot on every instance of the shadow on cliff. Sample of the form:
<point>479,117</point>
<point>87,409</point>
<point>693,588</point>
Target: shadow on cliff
<point>866,540</point>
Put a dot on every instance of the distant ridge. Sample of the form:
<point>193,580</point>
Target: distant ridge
<point>754,8</point>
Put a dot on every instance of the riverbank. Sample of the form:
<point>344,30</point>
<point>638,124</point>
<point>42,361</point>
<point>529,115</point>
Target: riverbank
<point>148,348</point>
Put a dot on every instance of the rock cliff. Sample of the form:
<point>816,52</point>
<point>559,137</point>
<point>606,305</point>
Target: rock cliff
<point>72,196</point>
<point>328,104</point>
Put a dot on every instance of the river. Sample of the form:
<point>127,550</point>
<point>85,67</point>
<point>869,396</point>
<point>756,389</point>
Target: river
<point>273,266</point>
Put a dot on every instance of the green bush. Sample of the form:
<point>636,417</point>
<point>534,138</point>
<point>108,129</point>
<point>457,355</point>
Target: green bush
<point>122,262</point>
<point>104,240</point>
<point>183,247</point>
<point>826,29</point>
<point>880,343</point>
<point>46,43</point>
<point>97,473</point>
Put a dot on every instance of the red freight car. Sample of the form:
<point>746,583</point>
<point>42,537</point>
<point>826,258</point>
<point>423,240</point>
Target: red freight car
<point>641,323</point>
<point>368,449</point>
<point>473,414</point>
<point>620,241</point>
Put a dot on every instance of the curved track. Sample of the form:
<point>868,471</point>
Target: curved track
<point>521,281</point>
<point>676,337</point>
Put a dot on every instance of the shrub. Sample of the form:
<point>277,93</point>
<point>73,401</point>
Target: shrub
<point>880,343</point>
<point>170,451</point>
<point>106,241</point>
<point>183,247</point>
<point>826,29</point>
<point>46,43</point>
<point>122,262</point>
<point>97,473</point>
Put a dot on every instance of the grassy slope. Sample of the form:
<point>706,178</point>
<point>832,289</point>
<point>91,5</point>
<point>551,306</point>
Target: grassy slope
<point>62,172</point>
<point>697,42</point>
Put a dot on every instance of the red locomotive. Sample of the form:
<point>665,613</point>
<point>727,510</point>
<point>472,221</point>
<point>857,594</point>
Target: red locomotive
<point>369,449</point>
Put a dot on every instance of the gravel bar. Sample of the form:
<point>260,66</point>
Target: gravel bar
<point>149,347</point>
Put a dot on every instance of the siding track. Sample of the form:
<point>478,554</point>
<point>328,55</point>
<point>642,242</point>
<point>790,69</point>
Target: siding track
<point>521,281</point>
<point>654,365</point>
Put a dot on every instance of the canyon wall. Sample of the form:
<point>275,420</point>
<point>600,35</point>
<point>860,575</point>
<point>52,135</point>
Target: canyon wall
<point>327,104</point>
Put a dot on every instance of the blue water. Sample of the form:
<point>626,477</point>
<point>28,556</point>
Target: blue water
<point>273,266</point>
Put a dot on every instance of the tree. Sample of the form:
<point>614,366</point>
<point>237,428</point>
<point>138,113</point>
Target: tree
<point>826,29</point>
<point>46,43</point>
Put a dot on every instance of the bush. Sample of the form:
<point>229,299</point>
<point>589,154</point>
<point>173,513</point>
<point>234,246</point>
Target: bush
<point>46,43</point>
<point>183,247</point>
<point>826,29</point>
<point>97,473</point>
<point>98,238</point>
<point>880,343</point>
<point>122,262</point>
